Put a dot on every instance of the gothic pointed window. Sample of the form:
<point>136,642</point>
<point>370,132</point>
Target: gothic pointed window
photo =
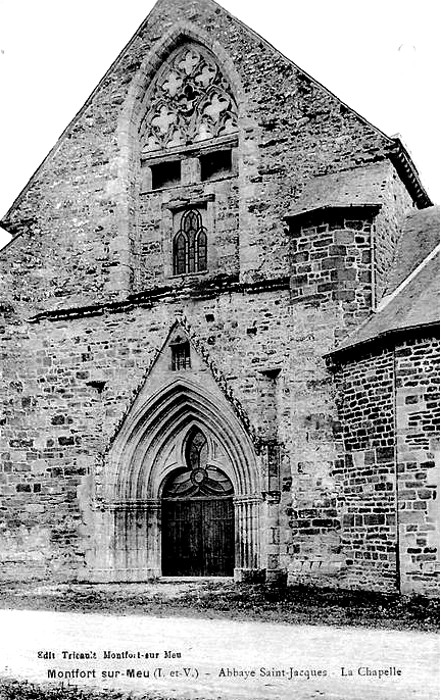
<point>201,246</point>
<point>190,244</point>
<point>180,254</point>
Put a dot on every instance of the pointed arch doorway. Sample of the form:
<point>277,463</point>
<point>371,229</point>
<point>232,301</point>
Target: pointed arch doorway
<point>197,515</point>
<point>151,459</point>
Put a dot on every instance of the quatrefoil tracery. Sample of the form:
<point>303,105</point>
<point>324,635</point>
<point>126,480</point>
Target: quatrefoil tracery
<point>189,101</point>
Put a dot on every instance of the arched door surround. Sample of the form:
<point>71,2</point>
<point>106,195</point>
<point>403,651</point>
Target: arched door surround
<point>158,444</point>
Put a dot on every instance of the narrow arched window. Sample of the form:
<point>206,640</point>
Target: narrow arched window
<point>201,246</point>
<point>190,244</point>
<point>180,254</point>
<point>196,450</point>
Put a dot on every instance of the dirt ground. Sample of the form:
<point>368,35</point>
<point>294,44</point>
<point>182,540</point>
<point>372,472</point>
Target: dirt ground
<point>177,657</point>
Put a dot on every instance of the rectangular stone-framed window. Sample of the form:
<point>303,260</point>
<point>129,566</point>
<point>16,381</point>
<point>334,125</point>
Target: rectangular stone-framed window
<point>181,358</point>
<point>182,166</point>
<point>166,174</point>
<point>216,164</point>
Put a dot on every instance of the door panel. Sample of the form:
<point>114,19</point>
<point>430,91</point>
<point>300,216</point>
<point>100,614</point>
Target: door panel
<point>182,538</point>
<point>198,537</point>
<point>218,537</point>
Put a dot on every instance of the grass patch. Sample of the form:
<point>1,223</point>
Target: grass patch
<point>293,605</point>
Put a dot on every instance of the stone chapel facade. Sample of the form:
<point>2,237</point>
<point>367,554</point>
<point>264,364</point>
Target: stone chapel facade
<point>219,330</point>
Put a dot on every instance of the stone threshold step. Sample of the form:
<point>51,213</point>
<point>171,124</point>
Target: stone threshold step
<point>196,579</point>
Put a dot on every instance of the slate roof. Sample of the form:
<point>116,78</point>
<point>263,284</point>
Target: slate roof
<point>417,305</point>
<point>419,238</point>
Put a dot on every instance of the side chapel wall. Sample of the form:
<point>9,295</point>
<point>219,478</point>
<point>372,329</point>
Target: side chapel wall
<point>388,408</point>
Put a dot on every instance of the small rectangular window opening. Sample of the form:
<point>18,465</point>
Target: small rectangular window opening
<point>166,174</point>
<point>180,356</point>
<point>216,164</point>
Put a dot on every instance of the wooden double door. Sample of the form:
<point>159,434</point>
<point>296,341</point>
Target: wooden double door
<point>198,537</point>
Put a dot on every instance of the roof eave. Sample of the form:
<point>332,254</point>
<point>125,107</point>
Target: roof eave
<point>406,169</point>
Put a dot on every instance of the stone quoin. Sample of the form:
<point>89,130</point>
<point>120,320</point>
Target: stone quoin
<point>218,327</point>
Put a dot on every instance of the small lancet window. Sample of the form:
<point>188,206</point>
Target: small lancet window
<point>181,245</point>
<point>190,245</point>
<point>181,358</point>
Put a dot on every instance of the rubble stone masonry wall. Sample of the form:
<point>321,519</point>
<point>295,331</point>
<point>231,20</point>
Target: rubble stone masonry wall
<point>388,227</point>
<point>57,419</point>
<point>366,470</point>
<point>331,264</point>
<point>417,381</point>
<point>388,403</point>
<point>339,463</point>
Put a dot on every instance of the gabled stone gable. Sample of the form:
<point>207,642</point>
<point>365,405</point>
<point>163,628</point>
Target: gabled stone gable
<point>80,214</point>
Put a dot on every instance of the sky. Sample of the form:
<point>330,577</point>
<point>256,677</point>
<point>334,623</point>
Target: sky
<point>380,57</point>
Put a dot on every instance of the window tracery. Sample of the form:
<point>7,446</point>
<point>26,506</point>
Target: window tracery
<point>198,478</point>
<point>190,244</point>
<point>189,101</point>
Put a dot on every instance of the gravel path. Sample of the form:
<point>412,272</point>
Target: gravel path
<point>215,659</point>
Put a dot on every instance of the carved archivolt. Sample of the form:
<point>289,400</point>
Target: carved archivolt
<point>189,101</point>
